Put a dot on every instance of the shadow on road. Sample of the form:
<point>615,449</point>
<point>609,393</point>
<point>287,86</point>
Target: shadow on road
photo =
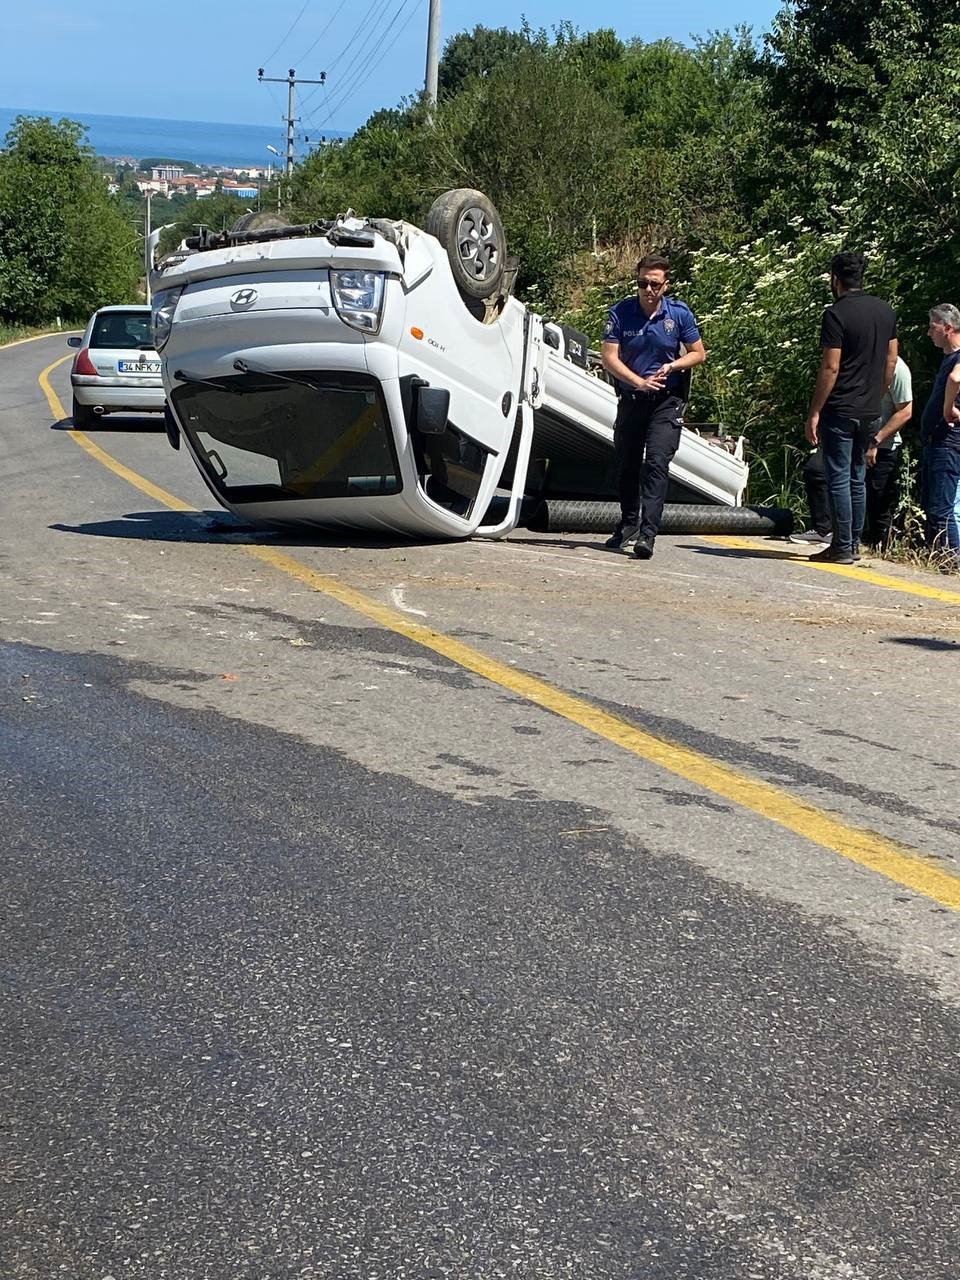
<point>924,642</point>
<point>218,526</point>
<point>117,424</point>
<point>560,543</point>
<point>742,553</point>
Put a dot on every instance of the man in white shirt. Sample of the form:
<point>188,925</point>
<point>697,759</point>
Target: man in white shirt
<point>883,459</point>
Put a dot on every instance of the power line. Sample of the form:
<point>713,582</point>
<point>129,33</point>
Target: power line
<point>270,56</point>
<point>364,26</point>
<point>356,81</point>
<point>318,128</point>
<point>367,52</point>
<point>322,33</point>
<point>276,101</point>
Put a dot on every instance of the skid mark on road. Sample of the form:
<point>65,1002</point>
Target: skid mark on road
<point>888,858</point>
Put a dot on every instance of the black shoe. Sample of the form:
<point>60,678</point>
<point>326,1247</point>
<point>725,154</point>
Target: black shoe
<point>643,549</point>
<point>623,535</point>
<point>834,555</point>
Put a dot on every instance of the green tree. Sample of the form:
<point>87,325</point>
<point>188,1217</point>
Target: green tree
<point>694,133</point>
<point>65,247</point>
<point>829,58</point>
<point>477,53</point>
<point>539,139</point>
<point>894,175</point>
<point>378,172</point>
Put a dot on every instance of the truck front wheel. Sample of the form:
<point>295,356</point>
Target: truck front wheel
<point>468,226</point>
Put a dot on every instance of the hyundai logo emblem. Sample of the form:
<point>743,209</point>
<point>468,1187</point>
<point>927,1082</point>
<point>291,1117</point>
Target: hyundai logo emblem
<point>243,298</point>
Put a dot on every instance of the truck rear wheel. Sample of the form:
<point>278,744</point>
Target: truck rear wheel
<point>468,226</point>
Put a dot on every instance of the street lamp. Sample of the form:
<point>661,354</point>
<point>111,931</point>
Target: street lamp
<point>276,153</point>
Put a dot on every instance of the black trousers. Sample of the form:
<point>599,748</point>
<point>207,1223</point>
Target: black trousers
<point>883,496</point>
<point>646,435</point>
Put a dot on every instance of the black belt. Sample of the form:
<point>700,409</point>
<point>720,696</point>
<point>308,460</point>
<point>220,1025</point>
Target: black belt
<point>637,394</point>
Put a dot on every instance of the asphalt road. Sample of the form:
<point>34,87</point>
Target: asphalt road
<point>480,910</point>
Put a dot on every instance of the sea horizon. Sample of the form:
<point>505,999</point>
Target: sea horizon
<point>199,142</point>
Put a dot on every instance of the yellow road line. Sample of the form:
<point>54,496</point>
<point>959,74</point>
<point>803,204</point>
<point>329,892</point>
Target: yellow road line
<point>854,572</point>
<point>84,441</point>
<point>888,858</point>
<point>895,861</point>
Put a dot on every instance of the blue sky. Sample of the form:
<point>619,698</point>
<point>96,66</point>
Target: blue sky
<point>199,60</point>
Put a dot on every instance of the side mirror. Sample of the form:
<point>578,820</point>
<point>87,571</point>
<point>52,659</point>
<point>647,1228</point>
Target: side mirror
<point>433,409</point>
<point>74,342</point>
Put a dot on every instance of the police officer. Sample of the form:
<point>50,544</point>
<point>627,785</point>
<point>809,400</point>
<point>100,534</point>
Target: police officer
<point>642,350</point>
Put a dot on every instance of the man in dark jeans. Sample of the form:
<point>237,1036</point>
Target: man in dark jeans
<point>858,338</point>
<point>883,471</point>
<point>649,345</point>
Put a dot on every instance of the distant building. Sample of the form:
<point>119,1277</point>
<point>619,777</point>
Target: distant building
<point>166,172</point>
<point>190,184</point>
<point>246,191</point>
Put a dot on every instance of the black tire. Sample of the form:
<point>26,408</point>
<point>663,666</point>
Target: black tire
<point>468,226</point>
<point>568,516</point>
<point>259,220</point>
<point>83,416</point>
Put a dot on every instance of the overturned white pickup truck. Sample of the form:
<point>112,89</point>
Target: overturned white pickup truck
<point>367,374</point>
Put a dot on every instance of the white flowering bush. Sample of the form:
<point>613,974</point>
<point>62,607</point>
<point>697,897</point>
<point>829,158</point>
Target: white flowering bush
<point>759,309</point>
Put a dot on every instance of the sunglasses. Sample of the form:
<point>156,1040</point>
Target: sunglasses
<point>656,285</point>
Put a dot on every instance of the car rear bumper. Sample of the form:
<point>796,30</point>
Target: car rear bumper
<point>119,395</point>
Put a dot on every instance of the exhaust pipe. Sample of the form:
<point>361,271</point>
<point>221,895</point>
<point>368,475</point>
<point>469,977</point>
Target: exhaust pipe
<point>98,409</point>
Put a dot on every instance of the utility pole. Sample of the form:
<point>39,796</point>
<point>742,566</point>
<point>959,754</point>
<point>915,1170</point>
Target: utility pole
<point>291,81</point>
<point>431,79</point>
<point>148,265</point>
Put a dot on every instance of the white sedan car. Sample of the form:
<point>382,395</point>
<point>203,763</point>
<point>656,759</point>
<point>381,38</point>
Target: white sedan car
<point>116,369</point>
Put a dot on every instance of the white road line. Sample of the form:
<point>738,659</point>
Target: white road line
<point>396,595</point>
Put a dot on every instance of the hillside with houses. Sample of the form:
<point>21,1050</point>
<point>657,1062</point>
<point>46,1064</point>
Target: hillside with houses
<point>170,180</point>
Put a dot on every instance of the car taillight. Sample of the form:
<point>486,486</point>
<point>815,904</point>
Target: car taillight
<point>83,364</point>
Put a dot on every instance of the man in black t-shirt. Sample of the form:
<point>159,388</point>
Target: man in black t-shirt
<point>858,338</point>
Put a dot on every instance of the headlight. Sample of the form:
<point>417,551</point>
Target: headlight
<point>162,307</point>
<point>358,298</point>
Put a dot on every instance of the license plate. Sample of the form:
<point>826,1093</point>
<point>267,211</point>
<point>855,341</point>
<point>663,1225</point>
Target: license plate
<point>138,366</point>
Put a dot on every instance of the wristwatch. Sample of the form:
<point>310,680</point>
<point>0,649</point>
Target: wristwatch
<point>873,443</point>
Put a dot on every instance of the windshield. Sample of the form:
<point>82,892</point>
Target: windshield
<point>266,440</point>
